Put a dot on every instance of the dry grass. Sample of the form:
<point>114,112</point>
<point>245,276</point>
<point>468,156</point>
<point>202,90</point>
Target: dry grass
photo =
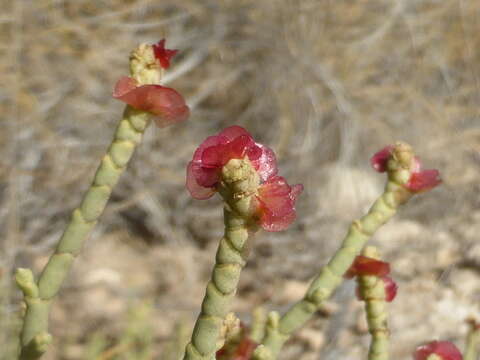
<point>325,83</point>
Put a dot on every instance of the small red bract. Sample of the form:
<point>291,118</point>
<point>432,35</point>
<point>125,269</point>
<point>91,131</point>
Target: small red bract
<point>165,103</point>
<point>277,203</point>
<point>391,288</point>
<point>380,159</point>
<point>234,142</point>
<point>364,265</point>
<point>422,180</point>
<point>162,54</point>
<point>444,349</point>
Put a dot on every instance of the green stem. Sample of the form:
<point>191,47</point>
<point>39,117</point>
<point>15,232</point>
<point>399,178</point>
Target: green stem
<point>221,289</point>
<point>331,275</point>
<point>372,289</point>
<point>38,296</point>
<point>239,183</point>
<point>473,339</point>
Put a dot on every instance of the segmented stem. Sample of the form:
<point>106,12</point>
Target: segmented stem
<point>372,289</point>
<point>237,189</point>
<point>330,277</point>
<point>38,296</point>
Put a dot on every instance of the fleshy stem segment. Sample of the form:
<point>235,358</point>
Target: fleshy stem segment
<point>38,295</point>
<point>472,342</point>
<point>330,277</point>
<point>372,290</point>
<point>239,183</point>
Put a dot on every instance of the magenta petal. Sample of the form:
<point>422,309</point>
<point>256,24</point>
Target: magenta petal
<point>423,180</point>
<point>391,288</point>
<point>444,349</point>
<point>197,191</point>
<point>380,159</point>
<point>265,163</point>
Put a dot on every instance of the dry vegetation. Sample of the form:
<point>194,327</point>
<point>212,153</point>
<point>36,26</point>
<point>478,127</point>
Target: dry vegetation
<point>325,83</point>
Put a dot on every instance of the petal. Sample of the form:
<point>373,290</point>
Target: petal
<point>123,86</point>
<point>197,191</point>
<point>162,54</point>
<point>232,132</point>
<point>364,265</point>
<point>391,288</point>
<point>380,159</point>
<point>423,180</point>
<point>277,203</point>
<point>265,162</point>
<point>166,103</point>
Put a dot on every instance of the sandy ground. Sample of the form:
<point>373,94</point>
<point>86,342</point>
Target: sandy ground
<point>324,83</point>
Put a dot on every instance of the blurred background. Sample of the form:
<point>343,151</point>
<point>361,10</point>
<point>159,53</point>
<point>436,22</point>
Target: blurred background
<point>324,83</point>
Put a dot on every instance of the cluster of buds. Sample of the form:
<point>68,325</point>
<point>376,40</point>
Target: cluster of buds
<point>274,200</point>
<point>142,91</point>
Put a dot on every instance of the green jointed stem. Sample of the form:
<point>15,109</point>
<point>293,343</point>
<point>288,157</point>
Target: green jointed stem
<point>239,183</point>
<point>472,343</point>
<point>38,296</point>
<point>372,289</point>
<point>331,275</point>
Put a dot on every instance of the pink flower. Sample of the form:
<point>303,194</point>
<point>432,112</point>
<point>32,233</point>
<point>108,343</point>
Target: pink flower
<point>163,55</point>
<point>444,349</point>
<point>364,265</point>
<point>166,103</point>
<point>380,159</point>
<point>234,142</point>
<point>420,180</point>
<point>277,203</point>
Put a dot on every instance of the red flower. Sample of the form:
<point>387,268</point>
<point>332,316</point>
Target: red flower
<point>420,180</point>
<point>364,265</point>
<point>444,349</point>
<point>277,203</point>
<point>166,103</point>
<point>163,55</point>
<point>234,142</point>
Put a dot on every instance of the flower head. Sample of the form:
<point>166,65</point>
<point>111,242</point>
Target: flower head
<point>365,266</point>
<point>165,103</point>
<point>419,181</point>
<point>162,54</point>
<point>273,199</point>
<point>445,350</point>
<point>234,142</point>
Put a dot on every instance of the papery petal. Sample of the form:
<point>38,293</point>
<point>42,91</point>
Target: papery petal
<point>277,203</point>
<point>197,191</point>
<point>380,159</point>
<point>162,54</point>
<point>166,103</point>
<point>232,132</point>
<point>123,86</point>
<point>364,265</point>
<point>244,350</point>
<point>444,349</point>
<point>265,162</point>
<point>423,180</point>
<point>391,288</point>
